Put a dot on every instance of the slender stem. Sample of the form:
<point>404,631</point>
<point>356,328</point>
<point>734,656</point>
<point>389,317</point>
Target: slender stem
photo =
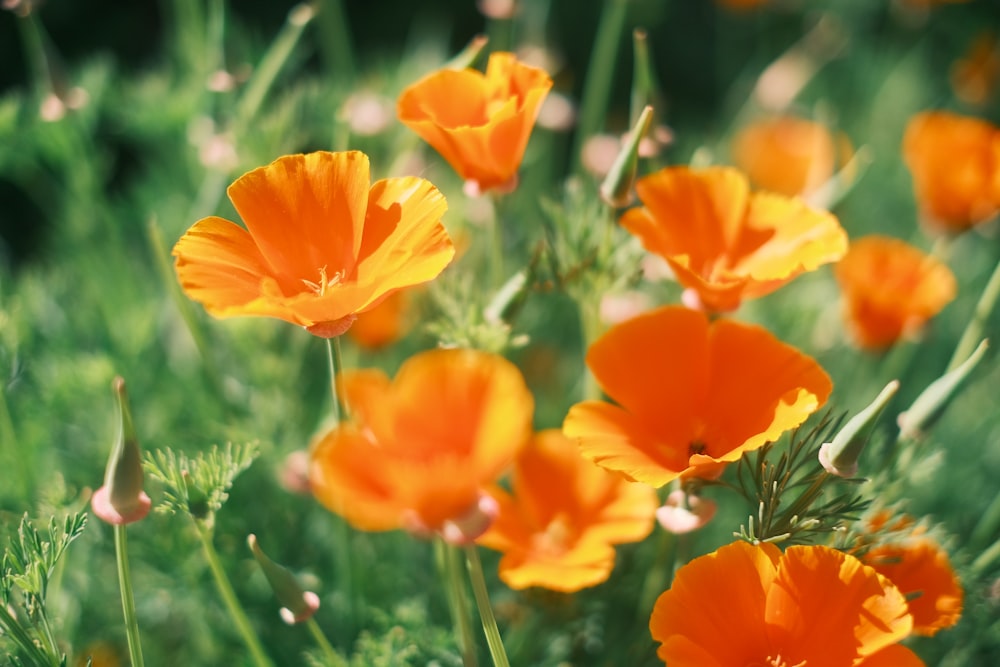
<point>333,659</point>
<point>497,249</point>
<point>52,648</point>
<point>490,628</point>
<point>974,329</point>
<point>335,364</point>
<point>335,47</point>
<point>128,601</point>
<point>24,458</point>
<point>13,629</point>
<point>449,561</point>
<point>225,589</point>
<point>986,559</point>
<point>659,574</point>
<point>600,73</point>
<point>987,526</point>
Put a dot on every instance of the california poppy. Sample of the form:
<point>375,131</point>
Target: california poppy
<point>557,527</point>
<point>479,123</point>
<point>786,155</point>
<point>974,76</point>
<point>321,243</point>
<point>955,164</point>
<point>724,243</point>
<point>691,394</point>
<point>891,289</point>
<point>422,448</point>
<point>384,324</point>
<point>774,608</point>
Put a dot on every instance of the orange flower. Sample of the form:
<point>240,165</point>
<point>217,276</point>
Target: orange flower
<point>384,324</point>
<point>691,394</point>
<point>974,77</point>
<point>322,243</point>
<point>557,529</point>
<point>754,605</point>
<point>891,289</point>
<point>724,243</point>
<point>423,447</point>
<point>786,155</point>
<point>955,164</point>
<point>479,123</point>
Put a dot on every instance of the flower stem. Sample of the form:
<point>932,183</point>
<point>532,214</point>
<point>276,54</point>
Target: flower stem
<point>490,628</point>
<point>335,363</point>
<point>974,329</point>
<point>225,589</point>
<point>128,601</point>
<point>331,657</point>
<point>449,561</point>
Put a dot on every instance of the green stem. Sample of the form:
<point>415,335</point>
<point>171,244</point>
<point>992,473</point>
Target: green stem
<point>974,329</point>
<point>225,589</point>
<point>332,658</point>
<point>13,629</point>
<point>490,628</point>
<point>128,600</point>
<point>497,249</point>
<point>987,526</point>
<point>659,574</point>
<point>335,40</point>
<point>335,364</point>
<point>600,73</point>
<point>52,647</point>
<point>986,559</point>
<point>24,458</point>
<point>449,560</point>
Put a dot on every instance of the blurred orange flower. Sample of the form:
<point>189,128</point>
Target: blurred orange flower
<point>774,608</point>
<point>891,289</point>
<point>786,155</point>
<point>321,243</point>
<point>724,243</point>
<point>955,164</point>
<point>557,529</point>
<point>741,4</point>
<point>691,394</point>
<point>974,76</point>
<point>384,324</point>
<point>479,123</point>
<point>422,447</point>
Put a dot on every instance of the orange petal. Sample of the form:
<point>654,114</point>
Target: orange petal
<point>719,595</point>
<point>306,213</point>
<point>895,655</point>
<point>219,265</point>
<point>787,155</point>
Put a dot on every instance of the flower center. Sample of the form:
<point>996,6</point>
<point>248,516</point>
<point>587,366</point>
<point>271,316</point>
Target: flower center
<point>324,281</point>
<point>696,447</point>
<point>776,661</point>
<point>556,538</point>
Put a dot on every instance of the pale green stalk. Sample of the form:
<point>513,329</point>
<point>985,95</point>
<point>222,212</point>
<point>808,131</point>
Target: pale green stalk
<point>331,656</point>
<point>233,606</point>
<point>974,329</point>
<point>489,621</point>
<point>450,565</point>
<point>335,363</point>
<point>128,600</point>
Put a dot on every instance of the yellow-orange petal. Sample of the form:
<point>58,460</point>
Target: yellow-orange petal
<point>891,289</point>
<point>722,594</point>
<point>922,571</point>
<point>785,154</point>
<point>306,213</point>
<point>955,164</point>
<point>219,265</point>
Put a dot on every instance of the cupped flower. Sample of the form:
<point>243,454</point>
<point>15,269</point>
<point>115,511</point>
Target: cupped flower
<point>955,164</point>
<point>322,243</point>
<point>891,289</point>
<point>423,447</point>
<point>754,605</point>
<point>724,243</point>
<point>479,123</point>
<point>691,394</point>
<point>785,154</point>
<point>558,526</point>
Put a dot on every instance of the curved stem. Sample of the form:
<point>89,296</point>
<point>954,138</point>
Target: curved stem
<point>128,600</point>
<point>225,589</point>
<point>330,655</point>
<point>974,329</point>
<point>449,560</point>
<point>490,628</point>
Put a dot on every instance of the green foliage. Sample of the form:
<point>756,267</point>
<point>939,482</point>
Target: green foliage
<point>198,486</point>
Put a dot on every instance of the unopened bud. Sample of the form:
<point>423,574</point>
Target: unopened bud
<point>683,513</point>
<point>121,500</point>
<point>616,190</point>
<point>298,605</point>
<point>840,457</point>
<point>933,401</point>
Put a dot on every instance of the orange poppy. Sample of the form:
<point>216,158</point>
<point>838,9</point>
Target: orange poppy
<point>974,77</point>
<point>557,529</point>
<point>479,123</point>
<point>891,289</point>
<point>422,447</point>
<point>691,394</point>
<point>774,608</point>
<point>384,324</point>
<point>321,243</point>
<point>955,164</point>
<point>786,155</point>
<point>724,243</point>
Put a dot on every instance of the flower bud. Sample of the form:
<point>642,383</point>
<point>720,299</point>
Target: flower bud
<point>299,605</point>
<point>121,500</point>
<point>683,513</point>
<point>616,190</point>
<point>840,457</point>
<point>933,401</point>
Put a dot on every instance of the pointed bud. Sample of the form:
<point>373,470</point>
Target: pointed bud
<point>840,457</point>
<point>467,56</point>
<point>616,190</point>
<point>299,604</point>
<point>933,401</point>
<point>121,500</point>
